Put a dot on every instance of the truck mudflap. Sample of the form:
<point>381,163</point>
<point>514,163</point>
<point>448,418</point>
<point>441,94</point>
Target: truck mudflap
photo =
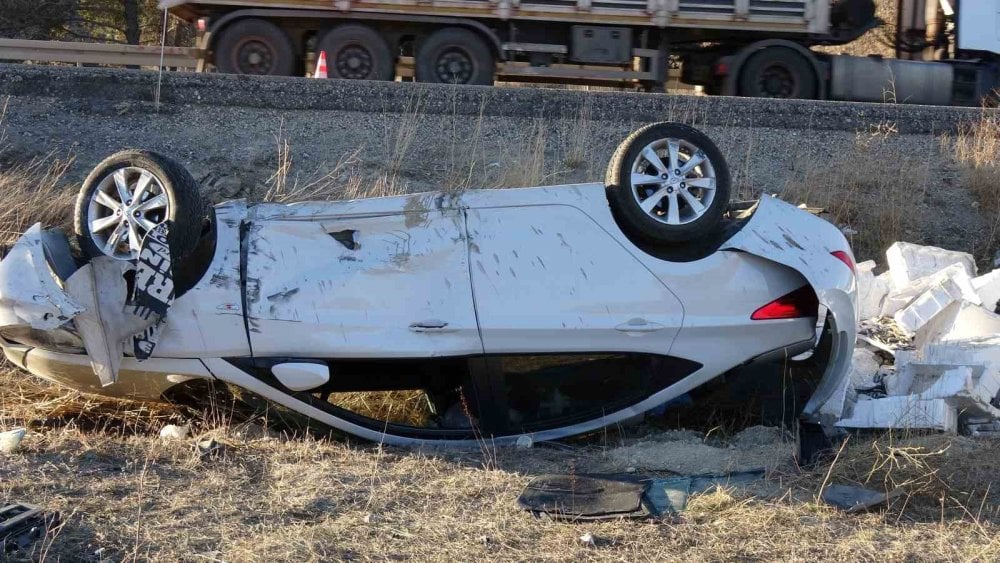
<point>792,237</point>
<point>44,293</point>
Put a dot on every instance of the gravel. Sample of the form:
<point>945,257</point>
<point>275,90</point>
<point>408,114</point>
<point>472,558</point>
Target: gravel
<point>418,146</point>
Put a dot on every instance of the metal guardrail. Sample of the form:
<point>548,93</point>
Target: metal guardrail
<point>97,53</point>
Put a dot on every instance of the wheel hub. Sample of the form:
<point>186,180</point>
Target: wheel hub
<point>255,56</point>
<point>355,62</point>
<point>123,208</point>
<point>454,67</point>
<point>673,181</point>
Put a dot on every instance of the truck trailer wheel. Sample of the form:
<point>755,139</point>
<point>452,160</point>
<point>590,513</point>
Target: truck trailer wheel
<point>254,46</point>
<point>357,52</point>
<point>778,72</point>
<point>455,56</point>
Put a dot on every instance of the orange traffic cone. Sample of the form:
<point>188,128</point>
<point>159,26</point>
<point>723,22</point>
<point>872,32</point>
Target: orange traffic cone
<point>321,66</point>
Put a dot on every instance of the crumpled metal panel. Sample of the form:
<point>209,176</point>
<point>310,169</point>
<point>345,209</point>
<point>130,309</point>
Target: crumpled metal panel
<point>29,292</point>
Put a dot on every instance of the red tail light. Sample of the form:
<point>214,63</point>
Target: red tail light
<point>800,303</point>
<point>845,257</point>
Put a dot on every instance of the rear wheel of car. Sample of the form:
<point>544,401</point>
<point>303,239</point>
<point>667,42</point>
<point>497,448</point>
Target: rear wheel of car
<point>455,56</point>
<point>130,193</point>
<point>668,183</point>
<point>357,52</point>
<point>778,72</point>
<point>253,46</point>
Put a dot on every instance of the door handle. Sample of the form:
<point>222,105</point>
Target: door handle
<point>639,325</point>
<point>431,325</point>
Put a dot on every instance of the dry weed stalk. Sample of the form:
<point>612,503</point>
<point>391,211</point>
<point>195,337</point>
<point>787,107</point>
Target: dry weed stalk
<point>339,182</point>
<point>977,151</point>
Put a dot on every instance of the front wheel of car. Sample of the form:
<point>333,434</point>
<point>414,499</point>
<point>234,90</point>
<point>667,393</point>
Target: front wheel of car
<point>130,193</point>
<point>668,183</point>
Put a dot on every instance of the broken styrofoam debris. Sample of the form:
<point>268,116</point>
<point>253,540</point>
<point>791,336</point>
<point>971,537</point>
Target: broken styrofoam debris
<point>909,262</point>
<point>864,368</point>
<point>987,286</point>
<point>588,540</point>
<point>174,432</point>
<point>872,290</point>
<point>928,304</point>
<point>898,299</point>
<point>958,321</point>
<point>11,439</point>
<point>905,412</point>
<point>984,350</point>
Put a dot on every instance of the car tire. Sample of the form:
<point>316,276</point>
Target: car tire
<point>454,55</point>
<point>254,46</point>
<point>689,202</point>
<point>357,52</point>
<point>177,202</point>
<point>778,72</point>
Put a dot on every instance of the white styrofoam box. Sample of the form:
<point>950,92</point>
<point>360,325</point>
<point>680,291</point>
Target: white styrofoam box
<point>959,321</point>
<point>987,286</point>
<point>984,351</point>
<point>904,412</point>
<point>909,262</point>
<point>872,290</point>
<point>899,299</point>
<point>925,307</point>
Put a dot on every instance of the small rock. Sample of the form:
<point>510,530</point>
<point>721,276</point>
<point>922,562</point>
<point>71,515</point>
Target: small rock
<point>525,442</point>
<point>588,540</point>
<point>175,432</point>
<point>11,439</point>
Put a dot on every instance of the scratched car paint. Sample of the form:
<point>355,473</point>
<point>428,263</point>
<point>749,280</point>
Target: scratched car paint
<point>461,295</point>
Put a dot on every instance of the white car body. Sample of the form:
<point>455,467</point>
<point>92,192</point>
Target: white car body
<point>302,290</point>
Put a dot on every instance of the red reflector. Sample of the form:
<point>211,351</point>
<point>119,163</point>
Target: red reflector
<point>845,257</point>
<point>800,303</point>
<point>721,69</point>
<point>202,24</point>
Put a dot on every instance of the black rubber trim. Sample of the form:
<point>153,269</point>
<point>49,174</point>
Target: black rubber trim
<point>260,368</point>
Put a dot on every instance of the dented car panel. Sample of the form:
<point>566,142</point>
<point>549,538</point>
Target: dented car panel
<point>472,277</point>
<point>30,294</point>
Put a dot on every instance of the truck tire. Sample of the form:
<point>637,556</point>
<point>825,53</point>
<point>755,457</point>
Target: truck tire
<point>778,72</point>
<point>129,193</point>
<point>255,46</point>
<point>667,183</point>
<point>454,55</point>
<point>358,52</point>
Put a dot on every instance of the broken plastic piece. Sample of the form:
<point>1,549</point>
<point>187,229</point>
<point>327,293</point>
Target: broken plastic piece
<point>856,499</point>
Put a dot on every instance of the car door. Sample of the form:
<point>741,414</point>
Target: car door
<point>573,325</point>
<point>378,285</point>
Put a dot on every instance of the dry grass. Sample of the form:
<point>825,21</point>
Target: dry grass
<point>126,495</point>
<point>872,190</point>
<point>977,150</point>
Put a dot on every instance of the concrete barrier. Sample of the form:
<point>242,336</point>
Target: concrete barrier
<point>116,85</point>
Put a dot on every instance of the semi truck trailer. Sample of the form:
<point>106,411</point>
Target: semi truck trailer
<point>947,53</point>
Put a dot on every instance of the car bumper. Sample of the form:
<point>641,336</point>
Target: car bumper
<point>147,380</point>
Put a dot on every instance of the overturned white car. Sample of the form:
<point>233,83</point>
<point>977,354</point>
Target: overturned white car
<point>545,311</point>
